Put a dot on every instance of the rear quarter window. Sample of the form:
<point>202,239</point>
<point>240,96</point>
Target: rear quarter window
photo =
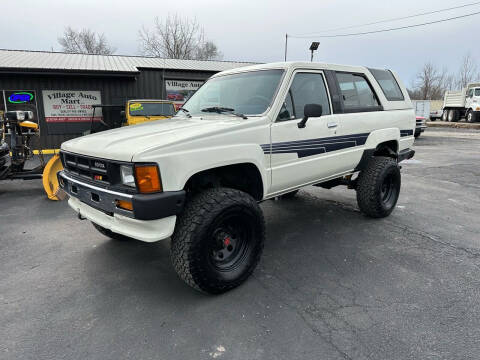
<point>388,84</point>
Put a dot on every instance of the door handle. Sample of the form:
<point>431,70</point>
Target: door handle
<point>331,125</point>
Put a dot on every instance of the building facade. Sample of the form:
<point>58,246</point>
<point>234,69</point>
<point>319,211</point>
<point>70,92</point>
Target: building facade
<point>61,89</point>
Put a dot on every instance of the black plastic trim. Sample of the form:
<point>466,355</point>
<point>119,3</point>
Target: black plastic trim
<point>405,154</point>
<point>159,205</point>
<point>335,93</point>
<point>366,156</point>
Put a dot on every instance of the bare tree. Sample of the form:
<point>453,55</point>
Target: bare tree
<point>85,41</point>
<point>429,83</point>
<point>177,38</point>
<point>468,71</point>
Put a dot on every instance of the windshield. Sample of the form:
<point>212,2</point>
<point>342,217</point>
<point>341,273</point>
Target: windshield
<point>248,93</point>
<point>151,109</point>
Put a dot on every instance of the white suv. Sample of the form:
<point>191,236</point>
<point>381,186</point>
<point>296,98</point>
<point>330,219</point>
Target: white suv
<point>245,136</point>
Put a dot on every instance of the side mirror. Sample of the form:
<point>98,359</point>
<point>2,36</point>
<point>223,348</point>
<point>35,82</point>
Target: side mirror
<point>310,110</point>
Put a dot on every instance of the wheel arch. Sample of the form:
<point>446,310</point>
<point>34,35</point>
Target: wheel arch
<point>244,176</point>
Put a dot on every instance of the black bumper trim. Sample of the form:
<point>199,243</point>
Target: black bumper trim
<point>159,205</point>
<point>145,206</point>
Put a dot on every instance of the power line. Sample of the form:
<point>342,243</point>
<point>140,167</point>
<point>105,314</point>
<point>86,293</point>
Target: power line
<point>385,30</point>
<point>389,20</point>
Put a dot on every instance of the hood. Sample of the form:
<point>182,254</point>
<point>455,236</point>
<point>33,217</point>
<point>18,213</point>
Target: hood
<point>123,143</point>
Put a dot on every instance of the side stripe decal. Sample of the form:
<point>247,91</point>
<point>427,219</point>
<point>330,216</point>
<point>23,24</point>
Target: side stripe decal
<point>408,132</point>
<point>311,147</point>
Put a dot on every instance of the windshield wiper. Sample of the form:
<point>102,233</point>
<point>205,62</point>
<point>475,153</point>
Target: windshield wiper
<point>186,111</point>
<point>219,110</point>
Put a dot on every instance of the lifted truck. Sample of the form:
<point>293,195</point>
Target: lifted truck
<point>245,136</point>
<point>464,103</point>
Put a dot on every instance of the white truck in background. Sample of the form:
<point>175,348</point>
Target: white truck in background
<point>463,103</point>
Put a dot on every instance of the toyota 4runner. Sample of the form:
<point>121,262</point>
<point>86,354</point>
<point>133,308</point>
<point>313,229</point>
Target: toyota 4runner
<point>245,136</point>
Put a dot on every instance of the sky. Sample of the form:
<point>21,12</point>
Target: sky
<point>250,30</point>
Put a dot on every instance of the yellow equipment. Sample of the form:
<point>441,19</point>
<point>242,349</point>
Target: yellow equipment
<point>49,177</point>
<point>140,111</point>
<point>136,112</point>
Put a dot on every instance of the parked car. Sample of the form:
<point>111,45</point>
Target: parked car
<point>421,125</point>
<point>436,114</point>
<point>175,97</point>
<point>273,128</point>
<point>463,103</point>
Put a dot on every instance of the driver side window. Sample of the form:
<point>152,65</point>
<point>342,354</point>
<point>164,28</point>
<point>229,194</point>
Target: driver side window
<point>306,88</point>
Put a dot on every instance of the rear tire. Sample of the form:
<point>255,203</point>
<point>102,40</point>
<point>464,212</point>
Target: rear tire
<point>453,115</point>
<point>378,187</point>
<point>218,240</point>
<point>445,115</point>
<point>110,234</point>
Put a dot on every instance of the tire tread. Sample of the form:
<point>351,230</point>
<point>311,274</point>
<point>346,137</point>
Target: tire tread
<point>192,220</point>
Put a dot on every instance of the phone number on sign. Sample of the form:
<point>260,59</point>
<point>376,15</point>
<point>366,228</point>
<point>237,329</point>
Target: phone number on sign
<point>71,107</point>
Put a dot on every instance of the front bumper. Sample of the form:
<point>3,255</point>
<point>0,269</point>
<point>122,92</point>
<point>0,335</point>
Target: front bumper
<point>152,218</point>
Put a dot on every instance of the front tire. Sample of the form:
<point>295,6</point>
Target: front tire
<point>470,116</point>
<point>218,240</point>
<point>378,187</point>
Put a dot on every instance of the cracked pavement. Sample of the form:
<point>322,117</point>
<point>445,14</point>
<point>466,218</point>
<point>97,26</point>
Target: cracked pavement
<point>332,284</point>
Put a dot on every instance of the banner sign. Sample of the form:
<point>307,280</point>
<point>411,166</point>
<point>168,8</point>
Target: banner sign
<point>71,106</point>
<point>180,91</point>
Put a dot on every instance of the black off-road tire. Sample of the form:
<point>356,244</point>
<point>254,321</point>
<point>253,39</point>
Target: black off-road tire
<point>111,234</point>
<point>289,195</point>
<point>200,237</point>
<point>417,133</point>
<point>373,198</point>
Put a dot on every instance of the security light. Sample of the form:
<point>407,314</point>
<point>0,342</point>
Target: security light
<point>313,47</point>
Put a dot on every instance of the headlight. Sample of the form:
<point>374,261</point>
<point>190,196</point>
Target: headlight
<point>126,173</point>
<point>20,115</point>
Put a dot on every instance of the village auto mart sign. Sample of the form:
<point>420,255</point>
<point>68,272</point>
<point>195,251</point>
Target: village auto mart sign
<point>71,106</point>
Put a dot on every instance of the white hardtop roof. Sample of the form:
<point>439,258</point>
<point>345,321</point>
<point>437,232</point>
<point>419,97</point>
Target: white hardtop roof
<point>295,65</point>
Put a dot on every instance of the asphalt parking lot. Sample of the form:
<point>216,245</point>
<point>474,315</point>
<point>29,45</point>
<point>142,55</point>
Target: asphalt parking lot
<point>332,284</point>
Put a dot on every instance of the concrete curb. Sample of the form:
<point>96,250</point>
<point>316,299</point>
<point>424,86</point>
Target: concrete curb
<point>457,125</point>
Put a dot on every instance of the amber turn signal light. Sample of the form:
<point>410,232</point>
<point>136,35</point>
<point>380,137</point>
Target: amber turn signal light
<point>148,178</point>
<point>126,205</point>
